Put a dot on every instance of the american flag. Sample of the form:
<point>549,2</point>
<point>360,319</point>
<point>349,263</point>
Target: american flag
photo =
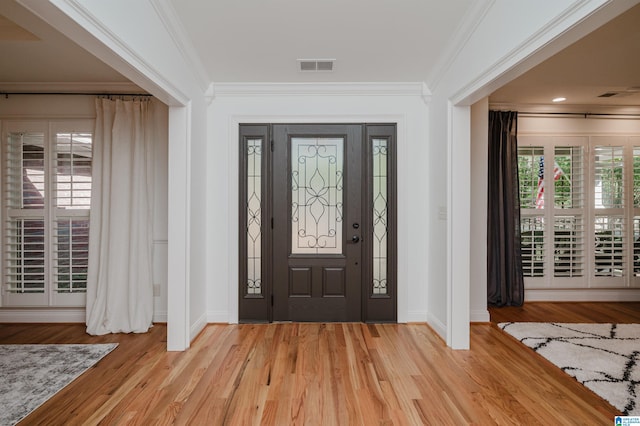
<point>557,173</point>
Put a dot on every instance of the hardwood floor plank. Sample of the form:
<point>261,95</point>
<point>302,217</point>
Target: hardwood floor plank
<point>326,374</point>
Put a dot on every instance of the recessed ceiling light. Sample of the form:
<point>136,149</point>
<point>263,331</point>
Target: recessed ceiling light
<point>560,99</point>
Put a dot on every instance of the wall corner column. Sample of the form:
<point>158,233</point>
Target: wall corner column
<point>458,225</point>
<point>178,327</point>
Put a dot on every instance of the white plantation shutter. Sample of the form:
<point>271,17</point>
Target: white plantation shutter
<point>634,215</point>
<point>568,211</point>
<point>532,246</point>
<point>554,221</point>
<point>72,201</point>
<point>24,219</point>
<point>46,198</point>
<point>25,256</point>
<point>532,221</point>
<point>609,237</point>
<point>610,242</point>
<point>568,246</point>
<point>636,247</point>
<point>589,236</point>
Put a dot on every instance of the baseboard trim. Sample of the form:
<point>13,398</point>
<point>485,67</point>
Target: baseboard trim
<point>218,317</point>
<point>437,326</point>
<point>582,295</point>
<point>197,327</point>
<point>160,316</point>
<point>479,315</point>
<point>43,315</point>
<point>415,316</point>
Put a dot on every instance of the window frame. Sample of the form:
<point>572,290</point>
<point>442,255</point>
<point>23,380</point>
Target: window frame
<point>588,211</point>
<point>49,128</point>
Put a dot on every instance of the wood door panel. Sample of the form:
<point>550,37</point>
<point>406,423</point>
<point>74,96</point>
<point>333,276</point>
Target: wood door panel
<point>308,309</point>
<point>300,282</point>
<point>333,282</point>
<point>317,192</point>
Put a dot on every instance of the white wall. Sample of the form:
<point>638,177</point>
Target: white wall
<point>510,38</point>
<point>83,107</point>
<point>478,236</point>
<point>317,104</point>
<point>144,43</point>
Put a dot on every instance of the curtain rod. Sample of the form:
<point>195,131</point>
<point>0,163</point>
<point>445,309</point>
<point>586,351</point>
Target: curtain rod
<point>7,94</point>
<point>579,114</point>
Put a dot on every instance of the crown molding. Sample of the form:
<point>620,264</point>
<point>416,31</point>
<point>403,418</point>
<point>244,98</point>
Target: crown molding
<point>169,17</point>
<point>470,21</point>
<point>419,89</point>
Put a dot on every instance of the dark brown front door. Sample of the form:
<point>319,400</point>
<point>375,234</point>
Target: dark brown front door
<point>317,199</point>
<point>317,222</point>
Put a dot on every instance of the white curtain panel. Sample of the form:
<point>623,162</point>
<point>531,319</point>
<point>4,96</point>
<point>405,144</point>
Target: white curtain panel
<point>119,283</point>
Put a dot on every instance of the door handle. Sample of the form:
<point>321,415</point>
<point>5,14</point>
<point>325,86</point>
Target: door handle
<point>355,239</point>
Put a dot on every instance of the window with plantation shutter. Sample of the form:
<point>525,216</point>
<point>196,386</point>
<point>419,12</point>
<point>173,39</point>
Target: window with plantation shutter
<point>568,210</point>
<point>532,229</point>
<point>609,203</point>
<point>589,236</point>
<point>553,219</point>
<point>47,197</point>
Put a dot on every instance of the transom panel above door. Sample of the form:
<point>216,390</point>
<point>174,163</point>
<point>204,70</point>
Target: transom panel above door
<point>317,222</point>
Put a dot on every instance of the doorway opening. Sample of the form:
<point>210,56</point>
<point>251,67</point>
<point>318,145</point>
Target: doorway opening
<point>317,222</point>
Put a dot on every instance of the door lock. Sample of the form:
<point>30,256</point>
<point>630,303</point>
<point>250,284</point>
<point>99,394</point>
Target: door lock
<point>355,239</point>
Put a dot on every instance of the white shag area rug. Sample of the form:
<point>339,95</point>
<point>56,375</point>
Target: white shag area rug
<point>31,374</point>
<point>603,357</point>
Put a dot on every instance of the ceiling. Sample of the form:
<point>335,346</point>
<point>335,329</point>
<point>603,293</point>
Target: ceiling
<point>605,61</point>
<point>34,53</point>
<point>370,40</point>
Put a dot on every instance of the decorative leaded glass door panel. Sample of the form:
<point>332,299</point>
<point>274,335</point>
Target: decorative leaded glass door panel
<point>317,222</point>
<point>317,214</point>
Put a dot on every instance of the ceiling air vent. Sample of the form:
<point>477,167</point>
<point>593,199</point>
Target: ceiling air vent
<point>621,93</point>
<point>316,65</point>
<point>608,94</point>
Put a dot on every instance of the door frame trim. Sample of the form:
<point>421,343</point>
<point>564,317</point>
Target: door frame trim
<point>404,314</point>
<point>389,129</point>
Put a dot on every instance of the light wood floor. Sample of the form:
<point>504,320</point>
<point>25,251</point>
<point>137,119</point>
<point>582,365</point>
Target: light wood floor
<point>326,374</point>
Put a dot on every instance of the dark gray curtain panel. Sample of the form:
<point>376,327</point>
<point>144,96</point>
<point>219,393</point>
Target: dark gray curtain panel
<point>505,282</point>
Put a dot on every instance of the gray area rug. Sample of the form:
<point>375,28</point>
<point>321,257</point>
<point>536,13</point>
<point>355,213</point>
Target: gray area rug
<point>31,374</point>
<point>603,357</point>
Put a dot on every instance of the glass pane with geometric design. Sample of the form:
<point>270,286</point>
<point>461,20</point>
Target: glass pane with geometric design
<point>254,216</point>
<point>380,215</point>
<point>316,195</point>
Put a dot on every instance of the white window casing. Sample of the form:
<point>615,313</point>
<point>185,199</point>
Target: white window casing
<point>586,232</point>
<point>46,187</point>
